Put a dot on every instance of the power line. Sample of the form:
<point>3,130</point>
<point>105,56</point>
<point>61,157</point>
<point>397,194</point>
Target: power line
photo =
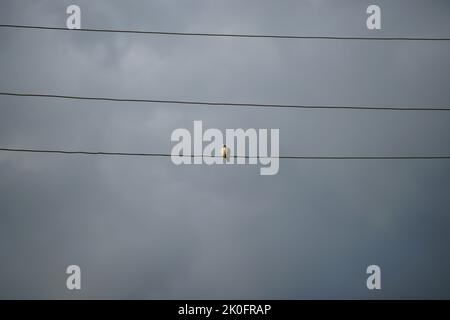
<point>140,154</point>
<point>225,35</point>
<point>218,104</point>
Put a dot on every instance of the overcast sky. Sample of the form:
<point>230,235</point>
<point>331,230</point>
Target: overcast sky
<point>145,228</point>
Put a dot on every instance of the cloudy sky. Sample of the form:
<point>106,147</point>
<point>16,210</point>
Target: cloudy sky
<point>145,228</point>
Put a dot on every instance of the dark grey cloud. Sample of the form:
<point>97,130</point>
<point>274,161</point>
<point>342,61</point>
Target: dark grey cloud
<point>145,228</point>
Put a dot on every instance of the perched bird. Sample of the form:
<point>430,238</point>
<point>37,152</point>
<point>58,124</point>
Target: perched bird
<point>225,151</point>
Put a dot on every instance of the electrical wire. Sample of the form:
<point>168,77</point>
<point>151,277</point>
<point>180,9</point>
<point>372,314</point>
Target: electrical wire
<point>141,154</point>
<point>227,35</point>
<point>223,104</point>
